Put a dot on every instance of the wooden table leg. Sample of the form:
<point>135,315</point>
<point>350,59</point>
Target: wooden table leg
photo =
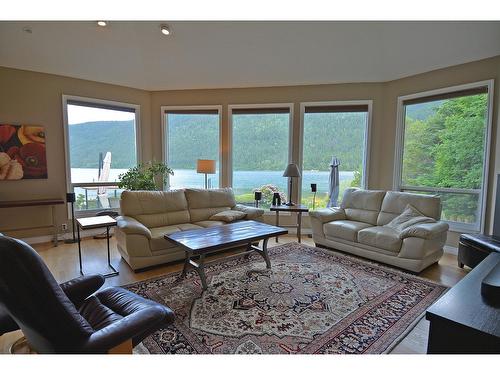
<point>263,251</point>
<point>299,225</point>
<point>277,222</point>
<point>200,268</point>
<point>186,264</point>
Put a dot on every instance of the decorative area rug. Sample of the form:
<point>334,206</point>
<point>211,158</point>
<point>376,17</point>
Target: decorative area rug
<point>310,301</point>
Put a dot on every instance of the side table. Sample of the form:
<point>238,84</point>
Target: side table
<point>298,209</point>
<point>93,223</point>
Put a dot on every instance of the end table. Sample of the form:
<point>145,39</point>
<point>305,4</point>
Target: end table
<point>93,223</point>
<point>298,209</point>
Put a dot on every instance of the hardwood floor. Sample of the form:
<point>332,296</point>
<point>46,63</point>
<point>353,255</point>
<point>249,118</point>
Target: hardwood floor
<point>63,263</point>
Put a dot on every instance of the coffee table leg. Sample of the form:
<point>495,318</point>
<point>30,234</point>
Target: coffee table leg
<point>186,264</point>
<point>201,271</point>
<point>263,252</point>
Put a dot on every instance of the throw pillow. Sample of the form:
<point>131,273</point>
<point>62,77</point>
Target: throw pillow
<point>228,216</point>
<point>410,216</point>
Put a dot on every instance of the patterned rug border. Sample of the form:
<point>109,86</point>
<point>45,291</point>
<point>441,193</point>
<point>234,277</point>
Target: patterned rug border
<point>383,345</point>
<point>333,252</point>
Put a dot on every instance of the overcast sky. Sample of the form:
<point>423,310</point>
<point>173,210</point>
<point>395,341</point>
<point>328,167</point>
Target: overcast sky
<point>78,114</point>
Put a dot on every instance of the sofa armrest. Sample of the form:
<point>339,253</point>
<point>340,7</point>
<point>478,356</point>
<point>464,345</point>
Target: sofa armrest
<point>252,212</point>
<point>425,231</point>
<point>129,225</point>
<point>326,215</point>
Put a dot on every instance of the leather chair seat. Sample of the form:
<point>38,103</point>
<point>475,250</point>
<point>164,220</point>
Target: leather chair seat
<point>381,237</point>
<point>345,229</point>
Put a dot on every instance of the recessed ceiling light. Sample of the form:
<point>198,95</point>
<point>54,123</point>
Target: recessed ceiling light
<point>102,23</point>
<point>165,30</point>
<point>28,30</point>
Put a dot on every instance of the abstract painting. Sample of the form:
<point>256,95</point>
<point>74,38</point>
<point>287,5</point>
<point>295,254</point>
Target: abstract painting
<point>22,152</point>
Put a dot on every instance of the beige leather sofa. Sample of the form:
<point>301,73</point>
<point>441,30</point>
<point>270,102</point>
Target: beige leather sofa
<point>149,215</point>
<point>358,227</point>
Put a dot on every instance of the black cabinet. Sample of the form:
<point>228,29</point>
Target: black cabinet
<point>474,248</point>
<point>461,321</point>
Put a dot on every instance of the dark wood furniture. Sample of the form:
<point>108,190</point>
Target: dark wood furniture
<point>93,223</point>
<point>199,242</point>
<point>461,321</point>
<point>474,248</point>
<point>298,209</point>
<point>52,202</point>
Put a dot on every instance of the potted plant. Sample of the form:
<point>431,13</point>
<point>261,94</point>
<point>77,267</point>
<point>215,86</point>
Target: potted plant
<point>148,176</point>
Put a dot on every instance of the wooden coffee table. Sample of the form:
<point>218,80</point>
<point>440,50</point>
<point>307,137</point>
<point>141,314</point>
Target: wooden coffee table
<point>199,242</point>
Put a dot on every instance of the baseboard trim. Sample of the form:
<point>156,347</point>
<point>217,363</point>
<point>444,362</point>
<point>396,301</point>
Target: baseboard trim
<point>61,236</point>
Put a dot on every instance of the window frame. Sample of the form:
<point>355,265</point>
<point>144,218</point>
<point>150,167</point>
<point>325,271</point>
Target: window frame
<point>70,186</point>
<point>164,132</point>
<point>479,226</point>
<point>367,143</point>
<point>230,109</point>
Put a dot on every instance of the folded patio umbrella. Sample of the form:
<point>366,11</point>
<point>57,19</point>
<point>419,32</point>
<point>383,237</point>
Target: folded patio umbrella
<point>333,183</point>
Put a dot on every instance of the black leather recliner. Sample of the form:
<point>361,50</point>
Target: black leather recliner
<point>67,318</point>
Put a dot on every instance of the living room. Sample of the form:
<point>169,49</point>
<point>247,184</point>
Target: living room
<point>248,188</point>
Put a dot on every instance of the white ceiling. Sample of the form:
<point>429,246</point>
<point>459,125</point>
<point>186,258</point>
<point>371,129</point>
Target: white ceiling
<point>243,54</point>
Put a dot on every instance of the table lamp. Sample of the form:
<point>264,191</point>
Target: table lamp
<point>291,171</point>
<point>207,167</point>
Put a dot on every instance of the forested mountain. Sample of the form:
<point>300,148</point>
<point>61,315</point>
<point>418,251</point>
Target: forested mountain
<point>88,139</point>
<point>261,141</point>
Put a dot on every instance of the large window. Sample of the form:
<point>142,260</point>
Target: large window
<point>333,130</point>
<point>443,148</point>
<point>191,133</point>
<point>101,140</point>
<point>260,151</point>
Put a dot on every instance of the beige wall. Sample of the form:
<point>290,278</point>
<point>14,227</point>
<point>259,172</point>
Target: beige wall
<point>36,98</point>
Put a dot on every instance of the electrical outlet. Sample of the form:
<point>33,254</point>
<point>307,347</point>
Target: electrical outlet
<point>64,226</point>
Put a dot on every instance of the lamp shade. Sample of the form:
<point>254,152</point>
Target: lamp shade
<point>205,166</point>
<point>291,171</point>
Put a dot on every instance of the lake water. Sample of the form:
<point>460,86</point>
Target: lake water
<point>243,181</point>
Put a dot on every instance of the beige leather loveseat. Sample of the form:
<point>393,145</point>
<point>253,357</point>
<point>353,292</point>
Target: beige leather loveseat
<point>149,215</point>
<point>360,226</point>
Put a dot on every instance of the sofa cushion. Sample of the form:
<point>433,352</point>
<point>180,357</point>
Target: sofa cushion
<point>155,208</point>
<point>410,216</point>
<point>382,237</point>
<point>158,242</point>
<point>345,229</point>
<point>362,205</point>
<point>228,216</point>
<point>205,203</point>
<point>209,223</point>
<point>395,202</point>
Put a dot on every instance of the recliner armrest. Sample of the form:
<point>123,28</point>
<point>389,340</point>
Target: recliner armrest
<point>134,325</point>
<point>326,215</point>
<point>252,212</point>
<point>425,231</point>
<point>77,290</point>
<point>129,225</point>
